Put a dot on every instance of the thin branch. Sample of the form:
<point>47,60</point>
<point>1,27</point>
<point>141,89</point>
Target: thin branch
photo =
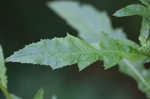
<point>140,76</point>
<point>4,90</point>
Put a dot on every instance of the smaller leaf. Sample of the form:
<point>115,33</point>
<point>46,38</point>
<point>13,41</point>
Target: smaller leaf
<point>145,49</point>
<point>134,9</point>
<point>39,94</point>
<point>57,53</point>
<point>144,33</point>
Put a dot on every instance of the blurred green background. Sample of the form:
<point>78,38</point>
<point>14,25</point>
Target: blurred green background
<point>26,21</point>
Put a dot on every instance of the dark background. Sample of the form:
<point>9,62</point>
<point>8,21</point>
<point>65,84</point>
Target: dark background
<point>26,21</point>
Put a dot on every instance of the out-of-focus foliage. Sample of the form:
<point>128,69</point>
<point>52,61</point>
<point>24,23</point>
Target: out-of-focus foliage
<point>146,2</point>
<point>15,97</point>
<point>39,94</point>
<point>87,20</point>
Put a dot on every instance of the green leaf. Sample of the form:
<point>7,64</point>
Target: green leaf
<point>39,94</point>
<point>144,37</point>
<point>86,19</point>
<point>60,52</point>
<point>3,77</point>
<point>144,33</point>
<point>134,9</point>
<point>57,53</point>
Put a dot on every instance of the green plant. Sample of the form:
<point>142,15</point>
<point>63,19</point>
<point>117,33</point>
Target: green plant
<point>98,41</point>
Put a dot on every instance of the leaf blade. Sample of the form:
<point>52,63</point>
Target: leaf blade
<point>144,33</point>
<point>130,10</point>
<point>57,53</point>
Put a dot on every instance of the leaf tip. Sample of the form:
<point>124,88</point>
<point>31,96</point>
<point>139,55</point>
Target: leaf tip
<point>117,14</point>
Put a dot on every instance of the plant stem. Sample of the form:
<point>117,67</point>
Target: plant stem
<point>139,75</point>
<point>4,90</point>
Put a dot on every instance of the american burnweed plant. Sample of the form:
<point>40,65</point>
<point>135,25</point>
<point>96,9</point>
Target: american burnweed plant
<point>97,41</point>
